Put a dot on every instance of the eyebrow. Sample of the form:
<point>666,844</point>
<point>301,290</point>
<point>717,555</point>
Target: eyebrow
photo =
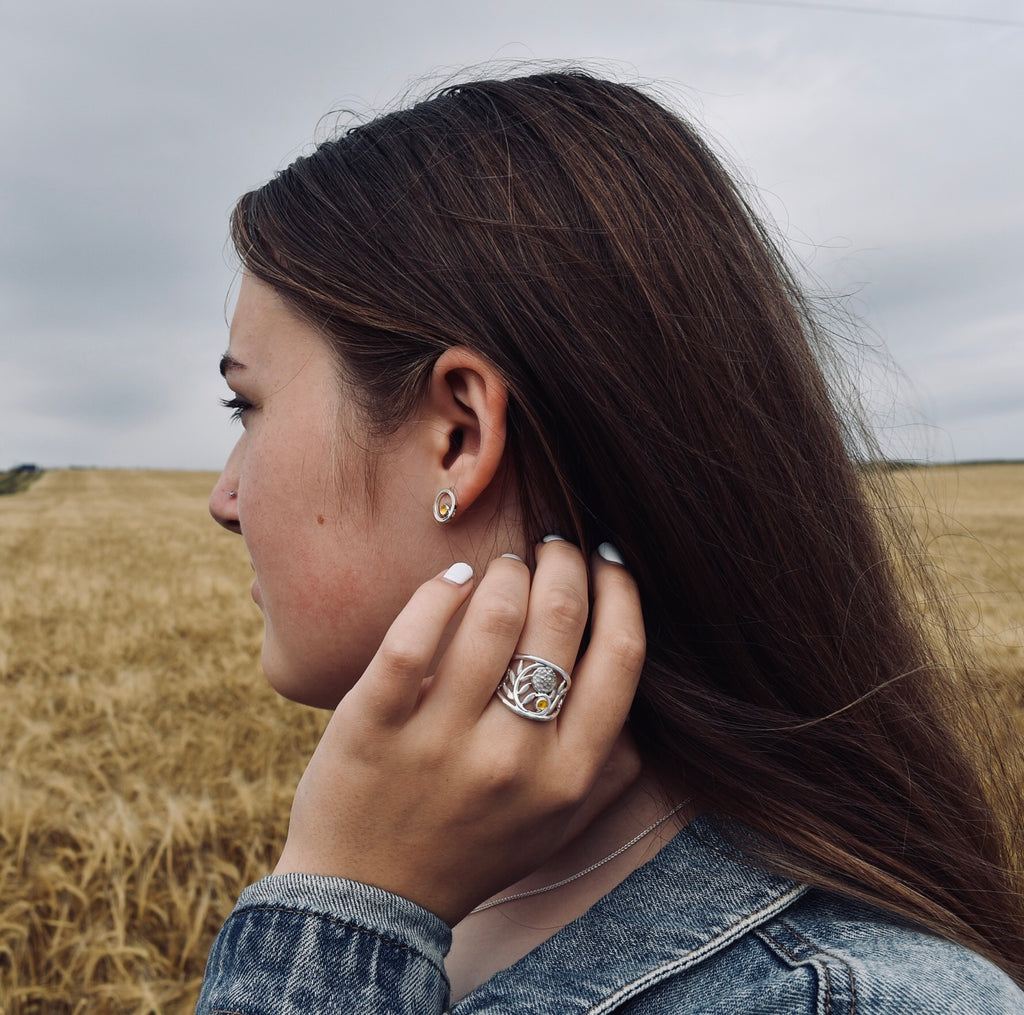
<point>228,362</point>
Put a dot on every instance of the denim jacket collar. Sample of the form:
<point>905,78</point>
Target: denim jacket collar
<point>716,900</point>
<point>695,929</point>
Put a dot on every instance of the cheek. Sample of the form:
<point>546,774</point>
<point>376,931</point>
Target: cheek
<point>332,573</point>
<point>326,606</point>
<point>283,513</point>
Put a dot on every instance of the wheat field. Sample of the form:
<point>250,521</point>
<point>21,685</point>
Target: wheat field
<point>147,770</point>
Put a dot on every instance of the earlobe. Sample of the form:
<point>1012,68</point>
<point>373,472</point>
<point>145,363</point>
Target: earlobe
<point>467,400</point>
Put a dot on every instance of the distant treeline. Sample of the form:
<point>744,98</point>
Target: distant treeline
<point>899,464</point>
<point>21,477</point>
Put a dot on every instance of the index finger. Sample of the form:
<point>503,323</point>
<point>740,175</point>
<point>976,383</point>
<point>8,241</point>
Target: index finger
<point>390,687</point>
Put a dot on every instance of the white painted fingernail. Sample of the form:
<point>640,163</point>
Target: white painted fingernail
<point>608,552</point>
<point>554,539</point>
<point>513,556</point>
<point>458,574</point>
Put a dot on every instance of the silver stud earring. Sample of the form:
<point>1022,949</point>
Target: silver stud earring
<point>445,506</point>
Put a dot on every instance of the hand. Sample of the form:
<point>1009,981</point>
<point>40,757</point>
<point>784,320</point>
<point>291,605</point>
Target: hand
<point>429,787</point>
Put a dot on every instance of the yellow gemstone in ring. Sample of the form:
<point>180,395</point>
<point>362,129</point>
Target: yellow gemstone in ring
<point>542,703</point>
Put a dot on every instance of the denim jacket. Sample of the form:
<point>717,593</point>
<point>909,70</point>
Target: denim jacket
<point>695,930</point>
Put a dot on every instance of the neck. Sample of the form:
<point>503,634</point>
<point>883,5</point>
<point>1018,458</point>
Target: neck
<point>493,938</point>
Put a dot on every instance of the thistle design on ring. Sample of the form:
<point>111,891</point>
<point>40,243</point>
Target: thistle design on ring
<point>534,688</point>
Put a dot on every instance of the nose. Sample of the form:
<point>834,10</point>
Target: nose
<point>224,497</point>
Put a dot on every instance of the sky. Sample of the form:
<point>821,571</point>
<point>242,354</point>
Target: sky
<point>884,139</point>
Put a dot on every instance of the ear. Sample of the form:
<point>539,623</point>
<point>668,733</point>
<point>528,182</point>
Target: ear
<point>465,407</point>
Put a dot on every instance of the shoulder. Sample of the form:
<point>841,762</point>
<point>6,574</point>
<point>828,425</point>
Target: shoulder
<point>700,929</point>
<point>826,955</point>
<point>859,960</point>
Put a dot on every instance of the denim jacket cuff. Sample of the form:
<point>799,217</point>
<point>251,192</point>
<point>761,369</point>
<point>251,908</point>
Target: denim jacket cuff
<point>302,944</point>
<point>354,903</point>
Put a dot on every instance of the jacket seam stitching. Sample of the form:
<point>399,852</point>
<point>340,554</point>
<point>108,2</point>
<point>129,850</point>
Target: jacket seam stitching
<point>838,958</point>
<point>796,960</point>
<point>819,952</point>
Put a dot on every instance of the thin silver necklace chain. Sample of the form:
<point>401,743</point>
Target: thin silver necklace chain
<point>586,870</point>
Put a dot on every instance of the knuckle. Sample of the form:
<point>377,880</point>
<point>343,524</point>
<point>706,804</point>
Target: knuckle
<point>400,656</point>
<point>501,615</point>
<point>565,609</point>
<point>504,771</point>
<point>568,793</point>
<point>629,648</point>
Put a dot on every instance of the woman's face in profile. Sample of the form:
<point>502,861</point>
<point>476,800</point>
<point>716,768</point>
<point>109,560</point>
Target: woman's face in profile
<point>332,569</point>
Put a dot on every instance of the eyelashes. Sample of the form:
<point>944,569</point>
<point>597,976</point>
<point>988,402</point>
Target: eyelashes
<point>238,405</point>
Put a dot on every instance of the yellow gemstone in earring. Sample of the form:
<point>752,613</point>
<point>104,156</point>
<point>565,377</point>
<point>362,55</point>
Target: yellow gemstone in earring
<point>443,510</point>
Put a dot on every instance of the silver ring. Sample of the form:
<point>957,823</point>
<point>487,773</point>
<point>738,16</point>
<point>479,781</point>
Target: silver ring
<point>534,688</point>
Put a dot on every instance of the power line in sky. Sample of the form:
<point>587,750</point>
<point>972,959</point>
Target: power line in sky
<point>851,9</point>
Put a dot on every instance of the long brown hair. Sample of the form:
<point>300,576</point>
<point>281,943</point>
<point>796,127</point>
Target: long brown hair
<point>666,393</point>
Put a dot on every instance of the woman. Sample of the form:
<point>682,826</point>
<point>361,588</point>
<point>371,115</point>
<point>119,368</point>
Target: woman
<point>541,306</point>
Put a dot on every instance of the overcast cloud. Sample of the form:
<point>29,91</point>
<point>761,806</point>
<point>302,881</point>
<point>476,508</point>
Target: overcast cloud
<point>888,149</point>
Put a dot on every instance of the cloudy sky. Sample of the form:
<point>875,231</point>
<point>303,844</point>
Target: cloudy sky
<point>884,136</point>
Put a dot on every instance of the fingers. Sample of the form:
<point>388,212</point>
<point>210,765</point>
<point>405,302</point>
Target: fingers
<point>538,675</point>
<point>559,605</point>
<point>486,639</point>
<point>510,614</point>
<point>605,679</point>
<point>390,688</point>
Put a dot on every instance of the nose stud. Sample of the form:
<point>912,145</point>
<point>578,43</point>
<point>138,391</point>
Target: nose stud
<point>232,493</point>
